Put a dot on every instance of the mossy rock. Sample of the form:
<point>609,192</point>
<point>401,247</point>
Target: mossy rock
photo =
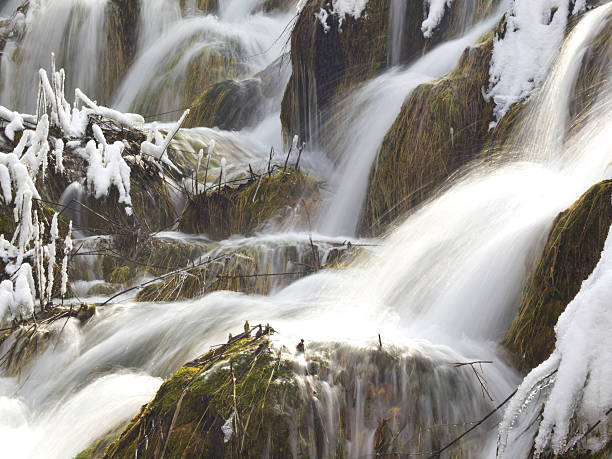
<point>97,448</point>
<point>442,126</point>
<point>258,390</point>
<point>326,64</point>
<point>572,250</point>
<point>277,5</point>
<point>244,209</point>
<point>153,257</point>
<point>229,105</point>
<point>183,83</point>
<point>185,419</point>
<point>233,105</point>
<point>120,275</point>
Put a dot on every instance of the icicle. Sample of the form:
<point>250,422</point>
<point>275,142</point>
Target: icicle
<point>67,250</point>
<point>7,300</point>
<point>5,184</point>
<point>51,250</point>
<point>24,291</point>
<point>58,152</point>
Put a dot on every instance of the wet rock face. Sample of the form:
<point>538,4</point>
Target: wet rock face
<point>325,63</point>
<point>572,250</point>
<point>229,105</point>
<point>233,105</point>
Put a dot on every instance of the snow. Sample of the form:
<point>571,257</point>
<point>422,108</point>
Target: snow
<point>24,291</point>
<point>127,120</point>
<point>60,130</point>
<point>534,32</point>
<point>156,145</point>
<point>582,388</point>
<point>227,428</point>
<point>15,122</point>
<point>338,8</point>
<point>435,12</point>
<point>5,184</point>
<point>7,299</point>
<point>106,170</point>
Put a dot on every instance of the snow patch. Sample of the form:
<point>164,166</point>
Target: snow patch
<point>581,391</point>
<point>338,8</point>
<point>523,54</point>
<point>435,13</point>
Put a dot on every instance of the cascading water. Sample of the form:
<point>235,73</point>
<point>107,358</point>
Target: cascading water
<point>440,289</point>
<point>159,79</point>
<point>363,130</point>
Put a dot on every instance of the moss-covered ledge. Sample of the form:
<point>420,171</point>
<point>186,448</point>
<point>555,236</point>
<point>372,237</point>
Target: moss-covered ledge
<point>442,126</point>
<point>242,210</point>
<point>227,403</point>
<point>572,250</point>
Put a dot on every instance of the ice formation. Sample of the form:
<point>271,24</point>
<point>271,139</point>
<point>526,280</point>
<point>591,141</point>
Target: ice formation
<point>58,128</point>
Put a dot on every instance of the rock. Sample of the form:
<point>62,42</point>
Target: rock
<point>221,213</point>
<point>442,126</point>
<point>595,70</point>
<point>233,105</point>
<point>325,64</point>
<point>572,250</point>
<point>250,398</point>
<point>224,404</point>
<point>228,105</point>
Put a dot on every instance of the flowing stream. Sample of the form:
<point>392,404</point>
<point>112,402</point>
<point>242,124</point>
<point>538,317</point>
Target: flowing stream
<point>441,288</point>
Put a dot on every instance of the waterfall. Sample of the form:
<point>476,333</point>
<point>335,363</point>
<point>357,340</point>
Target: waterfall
<point>397,16</point>
<point>441,288</point>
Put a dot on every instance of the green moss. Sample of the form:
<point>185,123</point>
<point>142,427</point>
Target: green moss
<point>120,275</point>
<point>204,6</point>
<point>572,250</point>
<point>240,210</point>
<point>185,417</point>
<point>243,270</point>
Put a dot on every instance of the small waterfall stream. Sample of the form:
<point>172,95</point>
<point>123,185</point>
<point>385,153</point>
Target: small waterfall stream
<point>440,289</point>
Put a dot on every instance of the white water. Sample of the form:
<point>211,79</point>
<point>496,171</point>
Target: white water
<point>443,286</point>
